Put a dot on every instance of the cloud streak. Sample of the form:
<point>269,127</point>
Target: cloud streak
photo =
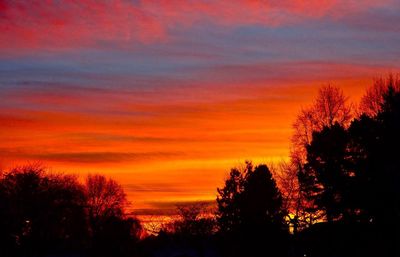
<point>56,25</point>
<point>167,96</point>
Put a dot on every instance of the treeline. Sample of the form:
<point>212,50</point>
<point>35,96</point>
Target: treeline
<point>42,214</point>
<point>338,195</point>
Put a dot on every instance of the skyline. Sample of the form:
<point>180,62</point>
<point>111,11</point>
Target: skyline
<point>166,98</point>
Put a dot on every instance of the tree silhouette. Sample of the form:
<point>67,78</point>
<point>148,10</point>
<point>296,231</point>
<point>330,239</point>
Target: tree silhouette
<point>373,100</point>
<point>40,213</point>
<point>228,215</point>
<point>106,198</point>
<point>194,220</point>
<point>250,212</point>
<point>112,233</point>
<point>329,107</point>
<point>300,211</point>
<point>328,171</point>
<point>377,138</point>
<point>260,202</point>
<point>250,199</point>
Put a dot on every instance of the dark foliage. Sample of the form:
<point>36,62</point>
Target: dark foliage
<point>195,220</point>
<point>353,175</point>
<point>228,216</point>
<point>115,236</point>
<point>41,213</point>
<point>329,171</point>
<point>250,213</point>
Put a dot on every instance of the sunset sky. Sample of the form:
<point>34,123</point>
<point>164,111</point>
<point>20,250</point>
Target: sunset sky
<point>167,96</point>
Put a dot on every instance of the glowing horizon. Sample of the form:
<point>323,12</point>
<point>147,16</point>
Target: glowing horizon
<point>166,97</point>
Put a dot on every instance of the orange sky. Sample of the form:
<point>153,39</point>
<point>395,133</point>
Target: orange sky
<point>181,152</point>
<point>166,97</point>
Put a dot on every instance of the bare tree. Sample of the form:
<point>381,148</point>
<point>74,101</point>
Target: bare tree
<point>330,106</point>
<point>286,177</point>
<point>195,219</point>
<point>299,215</point>
<point>106,198</point>
<point>371,102</point>
<point>154,224</point>
<point>303,128</point>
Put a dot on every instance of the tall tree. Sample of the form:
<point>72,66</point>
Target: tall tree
<point>352,173</point>
<point>250,200</point>
<point>378,138</point>
<point>113,234</point>
<point>329,107</point>
<point>250,212</point>
<point>228,214</point>
<point>260,202</point>
<point>328,171</point>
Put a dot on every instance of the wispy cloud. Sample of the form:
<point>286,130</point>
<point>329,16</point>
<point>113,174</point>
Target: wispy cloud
<point>124,24</point>
<point>156,92</point>
<point>91,157</point>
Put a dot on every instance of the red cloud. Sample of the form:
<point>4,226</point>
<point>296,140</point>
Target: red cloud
<point>91,23</point>
<point>65,24</point>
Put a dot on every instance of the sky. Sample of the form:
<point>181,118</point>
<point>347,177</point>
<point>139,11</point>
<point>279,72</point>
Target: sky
<point>166,96</point>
